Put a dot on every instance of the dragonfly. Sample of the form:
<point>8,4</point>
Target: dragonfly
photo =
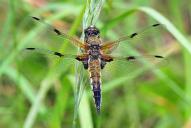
<point>95,53</point>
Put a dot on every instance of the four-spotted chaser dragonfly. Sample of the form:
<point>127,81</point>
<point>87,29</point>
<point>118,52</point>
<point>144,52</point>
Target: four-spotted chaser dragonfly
<point>96,53</point>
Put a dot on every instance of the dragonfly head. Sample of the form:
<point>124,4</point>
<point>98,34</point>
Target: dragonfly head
<point>91,31</point>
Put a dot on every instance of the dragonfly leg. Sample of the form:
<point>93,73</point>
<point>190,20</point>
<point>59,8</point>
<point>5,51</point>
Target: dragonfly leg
<point>85,63</point>
<point>103,63</point>
<point>84,59</point>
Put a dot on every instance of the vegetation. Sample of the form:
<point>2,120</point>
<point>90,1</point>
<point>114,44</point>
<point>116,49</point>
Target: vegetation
<point>44,91</point>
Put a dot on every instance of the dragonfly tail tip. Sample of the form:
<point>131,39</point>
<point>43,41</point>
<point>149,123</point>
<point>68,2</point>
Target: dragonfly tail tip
<point>98,110</point>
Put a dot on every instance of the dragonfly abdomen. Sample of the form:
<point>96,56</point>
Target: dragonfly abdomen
<point>94,72</point>
<point>97,95</point>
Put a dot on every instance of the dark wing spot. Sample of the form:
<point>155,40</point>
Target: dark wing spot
<point>58,54</point>
<point>35,18</point>
<point>30,48</point>
<point>133,35</point>
<point>157,56</point>
<point>57,31</point>
<point>130,58</point>
<point>154,25</point>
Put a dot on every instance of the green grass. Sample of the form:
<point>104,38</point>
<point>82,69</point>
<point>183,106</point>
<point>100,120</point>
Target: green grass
<point>42,91</point>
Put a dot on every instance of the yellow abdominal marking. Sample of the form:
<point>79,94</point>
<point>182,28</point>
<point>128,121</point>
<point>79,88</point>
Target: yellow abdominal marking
<point>94,71</point>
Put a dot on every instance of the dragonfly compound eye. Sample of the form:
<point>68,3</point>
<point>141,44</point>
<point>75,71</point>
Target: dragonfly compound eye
<point>91,31</point>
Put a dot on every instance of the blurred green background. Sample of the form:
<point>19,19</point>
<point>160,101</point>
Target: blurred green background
<point>39,91</point>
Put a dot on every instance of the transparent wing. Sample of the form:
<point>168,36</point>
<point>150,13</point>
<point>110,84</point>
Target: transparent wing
<point>74,41</point>
<point>49,52</point>
<point>110,58</point>
<point>109,46</point>
<point>129,67</point>
<point>138,58</point>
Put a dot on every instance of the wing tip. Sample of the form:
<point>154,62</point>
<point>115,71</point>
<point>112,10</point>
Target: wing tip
<point>130,58</point>
<point>158,56</point>
<point>133,35</point>
<point>30,48</point>
<point>36,18</point>
<point>57,31</point>
<point>155,25</point>
<point>58,54</point>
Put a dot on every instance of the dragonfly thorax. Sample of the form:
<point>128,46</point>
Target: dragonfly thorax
<point>94,47</point>
<point>94,51</point>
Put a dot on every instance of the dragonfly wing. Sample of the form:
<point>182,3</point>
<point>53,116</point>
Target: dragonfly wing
<point>74,41</point>
<point>130,67</point>
<point>110,58</point>
<point>133,61</point>
<point>139,58</point>
<point>49,52</point>
<point>109,46</point>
